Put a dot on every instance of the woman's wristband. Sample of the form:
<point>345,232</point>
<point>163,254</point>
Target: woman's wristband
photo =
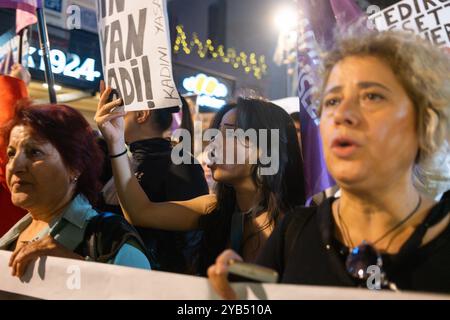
<point>118,155</point>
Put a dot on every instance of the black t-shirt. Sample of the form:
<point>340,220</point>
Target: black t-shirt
<point>311,255</point>
<point>162,181</point>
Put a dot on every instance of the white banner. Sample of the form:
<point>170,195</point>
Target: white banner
<point>62,279</point>
<point>136,52</point>
<point>428,18</point>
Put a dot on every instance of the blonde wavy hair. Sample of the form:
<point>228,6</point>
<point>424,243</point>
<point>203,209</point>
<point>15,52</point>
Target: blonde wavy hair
<point>424,72</point>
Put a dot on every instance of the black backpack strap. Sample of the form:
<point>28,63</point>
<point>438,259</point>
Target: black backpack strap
<point>295,223</point>
<point>105,235</point>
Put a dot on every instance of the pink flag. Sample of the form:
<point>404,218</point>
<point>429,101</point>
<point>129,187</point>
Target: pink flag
<point>26,11</point>
<point>24,19</point>
<point>26,5</point>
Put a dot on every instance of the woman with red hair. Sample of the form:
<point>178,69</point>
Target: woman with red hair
<point>53,169</point>
<point>12,89</point>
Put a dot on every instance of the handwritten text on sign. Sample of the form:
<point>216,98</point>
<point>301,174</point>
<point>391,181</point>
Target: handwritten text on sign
<point>428,18</point>
<point>135,48</point>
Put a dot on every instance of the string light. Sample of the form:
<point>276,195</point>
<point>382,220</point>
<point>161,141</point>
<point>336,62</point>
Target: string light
<point>248,62</point>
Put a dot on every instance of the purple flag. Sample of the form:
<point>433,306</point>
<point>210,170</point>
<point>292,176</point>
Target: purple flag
<point>317,21</point>
<point>346,12</point>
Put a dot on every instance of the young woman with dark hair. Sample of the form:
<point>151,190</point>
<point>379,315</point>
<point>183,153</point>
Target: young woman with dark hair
<point>246,206</point>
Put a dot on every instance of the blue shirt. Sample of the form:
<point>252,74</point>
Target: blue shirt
<point>69,228</point>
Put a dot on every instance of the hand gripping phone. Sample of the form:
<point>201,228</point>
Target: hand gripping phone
<point>115,94</point>
<point>253,272</point>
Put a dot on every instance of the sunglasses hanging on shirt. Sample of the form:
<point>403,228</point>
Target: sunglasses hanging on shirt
<point>365,255</point>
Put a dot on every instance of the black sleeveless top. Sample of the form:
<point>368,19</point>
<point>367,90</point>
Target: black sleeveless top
<point>312,256</point>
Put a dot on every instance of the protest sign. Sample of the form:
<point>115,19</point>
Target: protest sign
<point>136,52</point>
<point>428,18</point>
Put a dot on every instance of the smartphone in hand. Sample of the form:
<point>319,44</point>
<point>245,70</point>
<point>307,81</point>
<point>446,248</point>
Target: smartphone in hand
<point>253,272</point>
<point>114,95</point>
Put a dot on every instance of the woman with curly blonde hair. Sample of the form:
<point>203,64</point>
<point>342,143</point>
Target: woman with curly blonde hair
<point>384,110</point>
<point>424,72</point>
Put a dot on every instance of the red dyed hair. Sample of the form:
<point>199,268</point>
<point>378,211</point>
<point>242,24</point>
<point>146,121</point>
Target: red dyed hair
<point>12,90</point>
<point>67,130</point>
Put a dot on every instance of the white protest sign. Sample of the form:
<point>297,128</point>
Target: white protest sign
<point>63,279</point>
<point>136,52</point>
<point>428,18</point>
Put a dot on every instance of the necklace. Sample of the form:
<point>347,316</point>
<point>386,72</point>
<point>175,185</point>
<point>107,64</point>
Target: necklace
<point>346,232</point>
<point>363,258</point>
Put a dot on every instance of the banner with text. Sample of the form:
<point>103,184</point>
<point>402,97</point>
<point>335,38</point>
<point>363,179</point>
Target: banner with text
<point>136,52</point>
<point>63,279</point>
<point>428,18</point>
